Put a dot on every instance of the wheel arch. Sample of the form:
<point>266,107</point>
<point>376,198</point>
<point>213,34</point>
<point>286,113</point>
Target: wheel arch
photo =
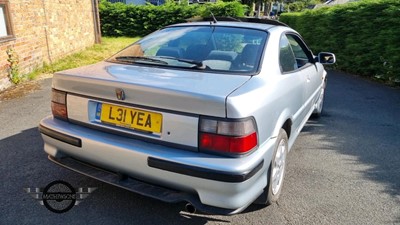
<point>287,126</point>
<point>285,122</point>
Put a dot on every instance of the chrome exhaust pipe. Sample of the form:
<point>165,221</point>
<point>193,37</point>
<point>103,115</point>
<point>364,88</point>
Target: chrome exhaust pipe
<point>190,208</point>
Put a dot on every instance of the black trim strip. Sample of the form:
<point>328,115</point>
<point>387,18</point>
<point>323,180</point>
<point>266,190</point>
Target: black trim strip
<point>203,172</point>
<point>60,136</point>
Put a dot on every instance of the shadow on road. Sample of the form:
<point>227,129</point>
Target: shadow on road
<point>362,120</point>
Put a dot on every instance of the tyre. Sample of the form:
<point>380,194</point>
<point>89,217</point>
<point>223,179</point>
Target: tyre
<point>276,171</point>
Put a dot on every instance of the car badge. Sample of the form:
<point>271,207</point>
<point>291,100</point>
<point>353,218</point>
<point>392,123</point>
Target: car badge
<point>120,94</point>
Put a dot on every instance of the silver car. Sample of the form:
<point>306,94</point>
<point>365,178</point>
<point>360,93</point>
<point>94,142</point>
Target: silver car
<point>201,112</point>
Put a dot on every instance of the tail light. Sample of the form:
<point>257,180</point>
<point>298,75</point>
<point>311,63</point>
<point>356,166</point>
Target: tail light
<point>227,136</point>
<point>59,104</point>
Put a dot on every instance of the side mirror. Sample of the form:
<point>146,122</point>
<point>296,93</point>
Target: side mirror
<point>326,58</point>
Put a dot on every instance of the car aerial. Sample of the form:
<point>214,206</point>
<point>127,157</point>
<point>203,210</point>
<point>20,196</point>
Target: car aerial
<point>201,112</point>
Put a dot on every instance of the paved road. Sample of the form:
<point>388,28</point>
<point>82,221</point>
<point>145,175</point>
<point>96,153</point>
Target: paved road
<point>343,169</point>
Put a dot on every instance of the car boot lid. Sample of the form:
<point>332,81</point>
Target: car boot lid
<point>196,92</point>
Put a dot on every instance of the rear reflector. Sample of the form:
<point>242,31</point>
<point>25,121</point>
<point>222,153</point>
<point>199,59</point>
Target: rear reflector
<point>226,136</point>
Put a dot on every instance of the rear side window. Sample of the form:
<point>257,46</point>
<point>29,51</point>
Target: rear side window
<point>287,59</point>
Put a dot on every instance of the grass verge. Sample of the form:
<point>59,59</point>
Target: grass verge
<point>93,54</point>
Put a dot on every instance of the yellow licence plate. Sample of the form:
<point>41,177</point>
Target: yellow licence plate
<point>131,118</point>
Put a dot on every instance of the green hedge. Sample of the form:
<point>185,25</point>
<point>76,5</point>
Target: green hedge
<point>119,19</point>
<point>364,35</point>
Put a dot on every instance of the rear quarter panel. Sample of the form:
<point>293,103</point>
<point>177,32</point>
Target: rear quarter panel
<point>268,96</point>
<point>269,100</point>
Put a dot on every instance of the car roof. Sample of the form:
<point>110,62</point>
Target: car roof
<point>262,24</point>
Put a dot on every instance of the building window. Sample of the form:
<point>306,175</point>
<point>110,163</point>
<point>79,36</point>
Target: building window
<point>6,31</point>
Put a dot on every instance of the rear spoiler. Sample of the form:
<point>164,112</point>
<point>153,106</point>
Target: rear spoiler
<point>237,19</point>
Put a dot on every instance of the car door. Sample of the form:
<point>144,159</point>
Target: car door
<point>305,63</point>
<point>299,70</point>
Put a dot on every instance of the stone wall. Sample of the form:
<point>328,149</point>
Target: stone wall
<point>46,30</point>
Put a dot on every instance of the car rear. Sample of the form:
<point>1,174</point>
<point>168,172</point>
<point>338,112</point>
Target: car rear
<point>156,128</point>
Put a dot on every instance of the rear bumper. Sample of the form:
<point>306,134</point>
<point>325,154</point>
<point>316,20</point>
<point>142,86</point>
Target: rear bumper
<point>145,189</point>
<point>210,183</point>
